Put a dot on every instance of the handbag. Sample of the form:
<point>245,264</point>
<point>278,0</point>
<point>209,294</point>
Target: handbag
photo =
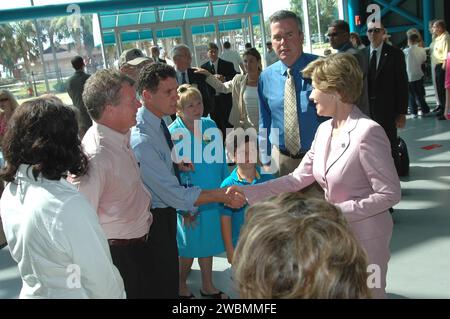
<point>402,160</point>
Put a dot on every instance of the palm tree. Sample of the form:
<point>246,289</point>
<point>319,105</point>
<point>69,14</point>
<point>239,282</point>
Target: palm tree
<point>25,44</point>
<point>7,41</point>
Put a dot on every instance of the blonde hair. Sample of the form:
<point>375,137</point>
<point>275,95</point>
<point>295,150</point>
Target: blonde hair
<point>297,247</point>
<point>11,98</point>
<point>415,31</point>
<point>187,94</point>
<point>339,73</point>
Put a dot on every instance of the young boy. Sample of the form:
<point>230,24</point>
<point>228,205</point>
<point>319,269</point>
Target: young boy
<point>415,57</point>
<point>242,149</point>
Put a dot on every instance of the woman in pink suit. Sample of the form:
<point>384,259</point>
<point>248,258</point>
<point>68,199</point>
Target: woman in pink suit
<point>447,88</point>
<point>351,160</point>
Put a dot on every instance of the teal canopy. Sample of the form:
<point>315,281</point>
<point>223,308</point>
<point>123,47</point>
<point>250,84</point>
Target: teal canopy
<point>135,19</point>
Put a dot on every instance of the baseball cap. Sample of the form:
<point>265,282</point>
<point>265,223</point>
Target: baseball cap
<point>132,57</point>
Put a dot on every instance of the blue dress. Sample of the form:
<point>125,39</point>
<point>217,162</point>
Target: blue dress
<point>205,239</point>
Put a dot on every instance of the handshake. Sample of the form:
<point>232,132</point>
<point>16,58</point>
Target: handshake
<point>232,196</point>
<point>235,197</point>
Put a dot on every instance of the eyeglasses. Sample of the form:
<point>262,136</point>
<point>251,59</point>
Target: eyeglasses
<point>374,30</point>
<point>5,99</point>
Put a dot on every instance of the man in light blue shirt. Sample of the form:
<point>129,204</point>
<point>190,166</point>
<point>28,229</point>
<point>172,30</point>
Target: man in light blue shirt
<point>287,41</point>
<point>152,144</point>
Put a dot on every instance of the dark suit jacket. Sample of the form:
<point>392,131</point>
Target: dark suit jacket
<point>75,88</point>
<point>224,101</point>
<point>200,80</point>
<point>363,101</point>
<point>391,89</point>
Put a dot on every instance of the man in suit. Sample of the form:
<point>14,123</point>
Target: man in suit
<point>182,58</point>
<point>339,35</point>
<point>224,71</point>
<point>387,84</point>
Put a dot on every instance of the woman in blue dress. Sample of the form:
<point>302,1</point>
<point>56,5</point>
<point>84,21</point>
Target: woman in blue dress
<point>199,141</point>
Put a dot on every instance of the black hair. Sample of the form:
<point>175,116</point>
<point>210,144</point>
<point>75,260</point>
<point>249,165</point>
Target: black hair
<point>77,62</point>
<point>152,74</point>
<point>43,133</point>
<point>340,25</point>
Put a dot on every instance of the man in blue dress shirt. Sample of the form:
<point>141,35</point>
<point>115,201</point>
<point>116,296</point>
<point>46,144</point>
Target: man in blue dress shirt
<point>287,41</point>
<point>152,145</point>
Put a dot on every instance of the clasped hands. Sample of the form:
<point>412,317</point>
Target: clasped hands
<point>235,197</point>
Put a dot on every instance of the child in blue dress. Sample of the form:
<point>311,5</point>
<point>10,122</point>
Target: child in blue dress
<point>198,233</point>
<point>242,149</point>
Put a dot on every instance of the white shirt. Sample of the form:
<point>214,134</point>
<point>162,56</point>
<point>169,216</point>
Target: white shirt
<point>379,49</point>
<point>415,56</point>
<point>180,77</point>
<point>54,235</point>
<point>233,57</point>
<point>251,103</point>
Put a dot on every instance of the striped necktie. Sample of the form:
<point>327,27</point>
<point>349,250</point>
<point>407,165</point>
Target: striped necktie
<point>291,124</point>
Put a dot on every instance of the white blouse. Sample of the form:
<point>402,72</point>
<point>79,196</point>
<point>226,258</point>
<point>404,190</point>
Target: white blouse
<point>251,103</point>
<point>55,237</point>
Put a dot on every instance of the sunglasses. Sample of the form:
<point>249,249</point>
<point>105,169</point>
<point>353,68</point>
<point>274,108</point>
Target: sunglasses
<point>374,30</point>
<point>5,99</point>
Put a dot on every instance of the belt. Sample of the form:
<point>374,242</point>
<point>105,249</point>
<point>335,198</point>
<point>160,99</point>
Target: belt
<point>289,154</point>
<point>127,242</point>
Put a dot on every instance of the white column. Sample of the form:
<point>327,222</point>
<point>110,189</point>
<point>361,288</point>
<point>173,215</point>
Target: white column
<point>306,31</point>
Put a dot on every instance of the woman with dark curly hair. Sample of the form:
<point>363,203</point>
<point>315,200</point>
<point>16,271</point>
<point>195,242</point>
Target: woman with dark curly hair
<point>53,232</point>
<point>8,104</point>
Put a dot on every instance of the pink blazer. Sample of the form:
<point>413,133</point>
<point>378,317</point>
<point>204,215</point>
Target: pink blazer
<point>360,177</point>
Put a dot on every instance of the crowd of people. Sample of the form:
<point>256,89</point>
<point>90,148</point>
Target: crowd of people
<point>291,170</point>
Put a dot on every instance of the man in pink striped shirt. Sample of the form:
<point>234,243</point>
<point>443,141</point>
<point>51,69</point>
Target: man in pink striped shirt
<point>113,183</point>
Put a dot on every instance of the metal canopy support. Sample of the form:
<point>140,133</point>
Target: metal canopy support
<point>262,25</point>
<point>216,23</point>
<point>41,50</point>
<point>341,11</point>
<point>307,32</point>
<point>353,11</point>
<point>102,44</point>
<point>154,34</point>
<point>392,6</point>
<point>318,21</point>
<point>250,31</point>
<point>118,42</point>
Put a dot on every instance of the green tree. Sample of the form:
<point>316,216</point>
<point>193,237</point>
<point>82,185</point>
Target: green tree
<point>54,32</point>
<point>25,45</point>
<point>327,12</point>
<point>7,41</point>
